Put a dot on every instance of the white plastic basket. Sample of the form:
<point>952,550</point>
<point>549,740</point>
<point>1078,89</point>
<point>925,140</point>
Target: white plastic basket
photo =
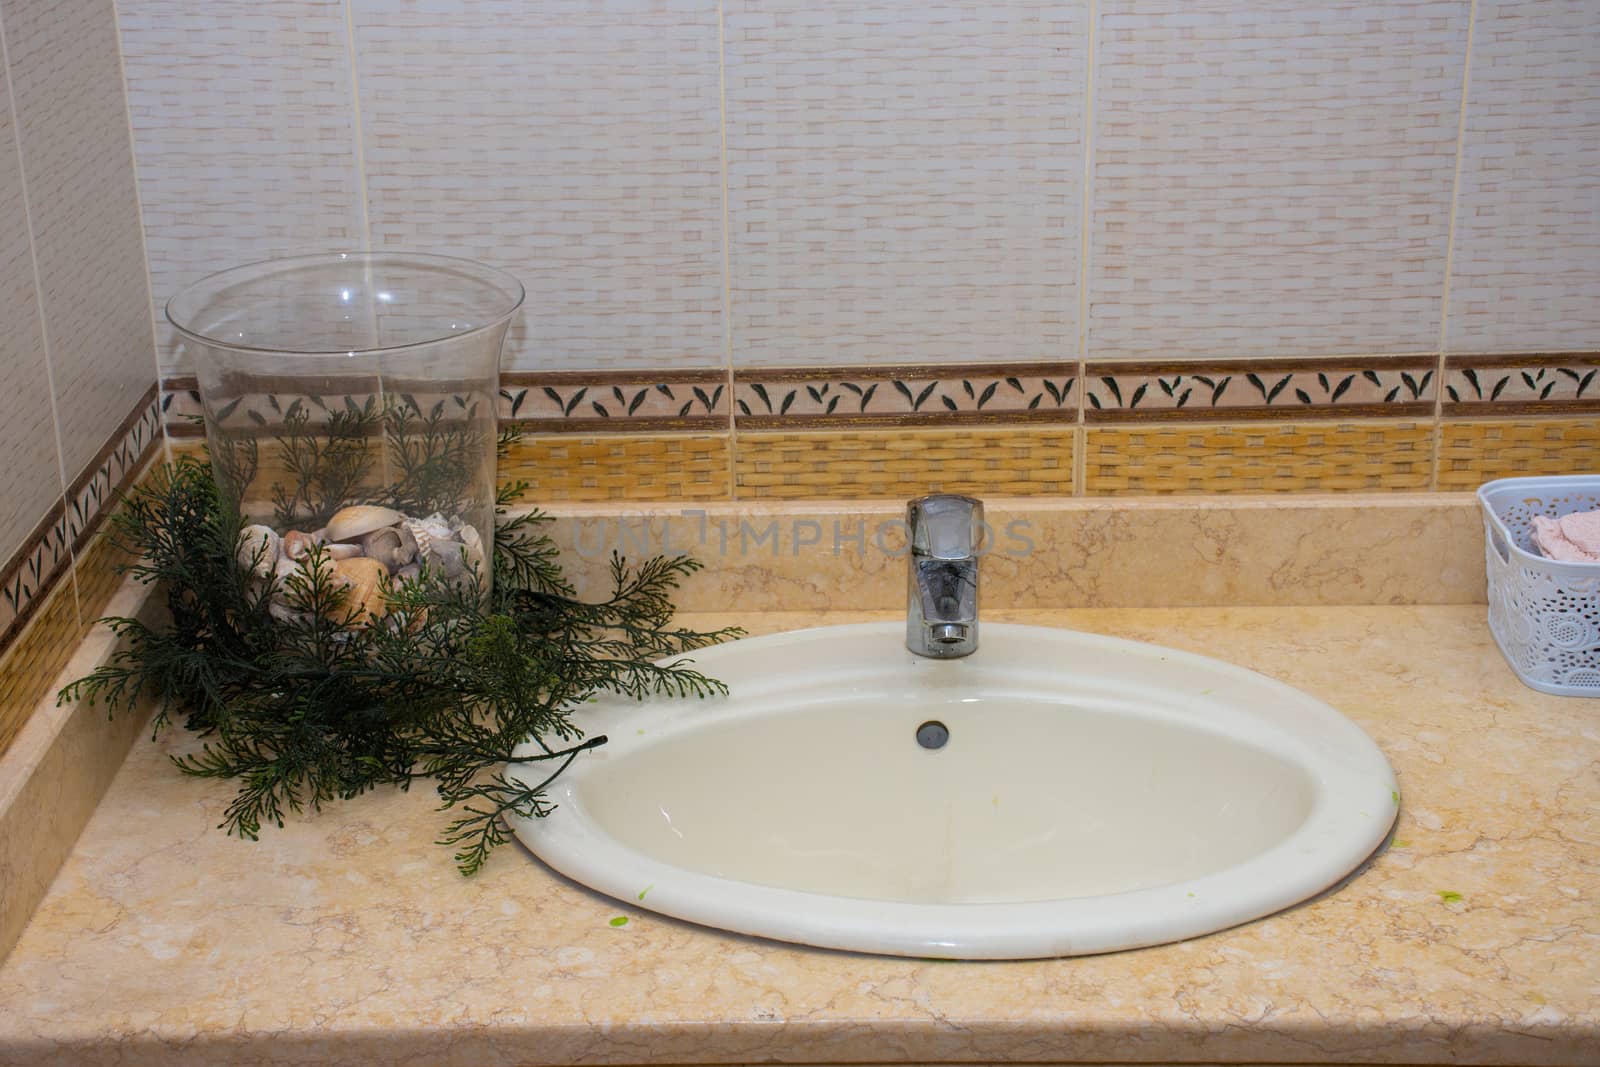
<point>1544,614</point>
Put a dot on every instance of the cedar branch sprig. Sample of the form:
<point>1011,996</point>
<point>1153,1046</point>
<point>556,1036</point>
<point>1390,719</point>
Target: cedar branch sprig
<point>317,707</point>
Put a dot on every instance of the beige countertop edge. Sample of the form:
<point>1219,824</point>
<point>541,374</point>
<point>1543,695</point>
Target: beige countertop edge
<point>1473,937</point>
<point>56,770</point>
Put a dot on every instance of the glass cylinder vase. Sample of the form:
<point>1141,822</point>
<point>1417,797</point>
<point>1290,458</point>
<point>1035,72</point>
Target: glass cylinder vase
<point>349,403</point>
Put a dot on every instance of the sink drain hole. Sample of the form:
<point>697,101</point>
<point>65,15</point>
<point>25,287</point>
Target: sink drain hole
<point>933,734</point>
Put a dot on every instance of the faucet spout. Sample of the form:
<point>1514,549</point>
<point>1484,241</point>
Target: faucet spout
<point>942,587</point>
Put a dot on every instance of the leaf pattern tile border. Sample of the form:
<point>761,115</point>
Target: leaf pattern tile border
<point>1344,388</point>
<point>1553,383</point>
<point>937,395</point>
<point>46,554</point>
<point>1111,391</point>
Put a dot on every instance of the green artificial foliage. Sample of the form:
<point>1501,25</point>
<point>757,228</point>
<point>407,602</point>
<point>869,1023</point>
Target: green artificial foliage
<point>325,705</point>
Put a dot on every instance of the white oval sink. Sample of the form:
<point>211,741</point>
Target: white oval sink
<point>1093,794</point>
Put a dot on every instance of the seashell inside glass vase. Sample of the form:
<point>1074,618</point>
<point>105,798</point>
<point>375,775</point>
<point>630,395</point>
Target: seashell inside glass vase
<point>389,547</point>
<point>366,578</point>
<point>352,522</point>
<point>472,551</point>
<point>258,549</point>
<point>420,535</point>
<point>296,543</point>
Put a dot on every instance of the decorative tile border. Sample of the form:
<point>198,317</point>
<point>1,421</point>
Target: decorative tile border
<point>699,401</point>
<point>112,469</point>
<point>33,571</point>
<point>1538,383</point>
<point>1342,388</point>
<point>824,398</point>
<point>686,401</point>
<point>180,407</point>
<point>575,420</point>
<point>694,401</point>
<point>42,560</point>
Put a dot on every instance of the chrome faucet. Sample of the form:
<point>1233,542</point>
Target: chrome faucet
<point>946,534</point>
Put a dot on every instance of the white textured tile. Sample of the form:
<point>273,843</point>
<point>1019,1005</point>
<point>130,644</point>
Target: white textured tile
<point>73,126</point>
<point>1272,178</point>
<point>244,130</point>
<point>904,180</point>
<point>571,142</point>
<point>30,478</point>
<point>1526,265</point>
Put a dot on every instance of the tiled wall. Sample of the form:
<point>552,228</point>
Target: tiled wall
<point>78,403</point>
<point>810,248</point>
<point>815,247</point>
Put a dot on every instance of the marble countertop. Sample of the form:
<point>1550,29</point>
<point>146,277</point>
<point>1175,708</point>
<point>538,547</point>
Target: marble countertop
<point>1472,937</point>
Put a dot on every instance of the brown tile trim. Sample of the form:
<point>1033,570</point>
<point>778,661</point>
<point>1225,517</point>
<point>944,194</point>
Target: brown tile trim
<point>1261,414</point>
<point>1524,384</point>
<point>1520,359</point>
<point>593,427</point>
<point>1506,409</point>
<point>1061,417</point>
<point>1279,364</point>
<point>920,371</point>
<point>1320,388</point>
<point>518,379</point>
<point>689,376</point>
<point>46,556</point>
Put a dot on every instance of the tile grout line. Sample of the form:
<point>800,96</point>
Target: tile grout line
<point>355,125</point>
<point>727,240</point>
<point>44,329</point>
<point>138,200</point>
<point>1080,433</point>
<point>1450,251</point>
<point>360,146</point>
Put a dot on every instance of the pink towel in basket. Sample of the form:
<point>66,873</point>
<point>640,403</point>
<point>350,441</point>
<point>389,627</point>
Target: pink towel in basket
<point>1571,539</point>
<point>1583,529</point>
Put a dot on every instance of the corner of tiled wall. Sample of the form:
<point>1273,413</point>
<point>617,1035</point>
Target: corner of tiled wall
<point>79,407</point>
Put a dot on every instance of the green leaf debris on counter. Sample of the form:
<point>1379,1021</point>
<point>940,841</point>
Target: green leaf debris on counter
<point>323,706</point>
<point>620,920</point>
<point>1449,896</point>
